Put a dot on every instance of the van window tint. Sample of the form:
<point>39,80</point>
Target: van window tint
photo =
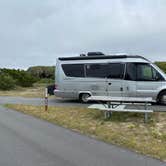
<point>109,70</point>
<point>115,70</point>
<point>142,72</point>
<point>96,70</point>
<point>73,70</point>
<point>145,72</point>
<point>157,76</point>
<point>130,71</point>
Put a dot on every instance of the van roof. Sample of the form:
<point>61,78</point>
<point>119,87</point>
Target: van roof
<point>102,57</point>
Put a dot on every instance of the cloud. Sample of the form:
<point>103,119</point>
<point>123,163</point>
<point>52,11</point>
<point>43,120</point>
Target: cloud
<point>36,32</point>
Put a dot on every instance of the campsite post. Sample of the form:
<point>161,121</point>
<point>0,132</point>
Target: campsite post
<point>46,99</point>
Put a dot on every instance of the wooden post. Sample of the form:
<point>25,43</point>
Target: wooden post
<point>46,99</point>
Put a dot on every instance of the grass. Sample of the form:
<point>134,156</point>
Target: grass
<point>36,91</point>
<point>124,129</point>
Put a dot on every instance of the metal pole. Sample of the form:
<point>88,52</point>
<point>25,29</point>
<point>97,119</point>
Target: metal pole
<point>46,99</point>
<point>109,106</point>
<point>146,114</point>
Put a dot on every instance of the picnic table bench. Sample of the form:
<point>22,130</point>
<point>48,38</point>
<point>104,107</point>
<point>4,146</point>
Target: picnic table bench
<point>118,104</point>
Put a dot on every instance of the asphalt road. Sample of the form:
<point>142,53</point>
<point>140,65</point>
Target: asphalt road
<point>26,141</point>
<point>57,102</point>
<point>39,101</point>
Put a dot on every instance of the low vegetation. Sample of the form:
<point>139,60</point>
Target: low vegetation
<point>37,90</point>
<point>127,130</point>
<point>161,65</point>
<point>11,78</point>
<point>6,82</point>
<point>41,72</point>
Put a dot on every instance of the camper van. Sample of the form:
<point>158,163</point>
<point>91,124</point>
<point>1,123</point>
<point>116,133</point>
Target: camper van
<point>109,75</point>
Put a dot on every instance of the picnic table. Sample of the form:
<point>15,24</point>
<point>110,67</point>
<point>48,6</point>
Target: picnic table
<point>118,104</point>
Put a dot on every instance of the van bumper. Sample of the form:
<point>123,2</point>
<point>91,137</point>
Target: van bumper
<point>58,93</point>
<point>66,94</point>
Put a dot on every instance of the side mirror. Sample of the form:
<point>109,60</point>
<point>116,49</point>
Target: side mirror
<point>157,77</point>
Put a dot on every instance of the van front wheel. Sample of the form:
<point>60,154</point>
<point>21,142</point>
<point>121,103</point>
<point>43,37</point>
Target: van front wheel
<point>162,98</point>
<point>83,97</point>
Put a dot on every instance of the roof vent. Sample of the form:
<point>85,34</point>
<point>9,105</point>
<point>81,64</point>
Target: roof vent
<point>82,54</point>
<point>95,54</point>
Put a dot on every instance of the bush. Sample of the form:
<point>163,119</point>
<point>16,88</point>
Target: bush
<point>6,82</point>
<point>161,65</point>
<point>21,77</point>
<point>24,79</point>
<point>46,81</point>
<point>42,72</point>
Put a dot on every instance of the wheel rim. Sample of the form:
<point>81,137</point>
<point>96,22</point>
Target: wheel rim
<point>163,99</point>
<point>84,97</point>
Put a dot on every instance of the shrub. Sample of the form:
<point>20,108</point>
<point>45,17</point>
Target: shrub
<point>21,77</point>
<point>46,81</point>
<point>42,72</point>
<point>6,82</point>
<point>161,65</point>
<point>24,79</point>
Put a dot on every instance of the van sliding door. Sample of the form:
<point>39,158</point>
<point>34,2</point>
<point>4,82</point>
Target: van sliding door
<point>114,82</point>
<point>95,80</point>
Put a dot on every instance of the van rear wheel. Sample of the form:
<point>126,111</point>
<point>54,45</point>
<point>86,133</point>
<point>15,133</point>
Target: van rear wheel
<point>83,97</point>
<point>162,98</point>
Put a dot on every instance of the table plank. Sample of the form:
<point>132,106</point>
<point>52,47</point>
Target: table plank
<point>121,99</point>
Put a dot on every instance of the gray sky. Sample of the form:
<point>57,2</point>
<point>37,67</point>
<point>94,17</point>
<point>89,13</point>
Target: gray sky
<point>35,32</point>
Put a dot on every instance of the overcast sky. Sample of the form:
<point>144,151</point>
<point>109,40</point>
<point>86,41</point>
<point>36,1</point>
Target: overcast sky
<point>35,32</point>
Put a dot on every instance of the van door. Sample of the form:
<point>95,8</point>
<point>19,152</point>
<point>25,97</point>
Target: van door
<point>114,82</point>
<point>107,78</point>
<point>149,80</point>
<point>114,87</point>
<point>129,83</point>
<point>95,80</point>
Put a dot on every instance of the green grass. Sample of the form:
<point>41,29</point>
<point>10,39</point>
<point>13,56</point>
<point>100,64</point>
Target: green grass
<point>124,129</point>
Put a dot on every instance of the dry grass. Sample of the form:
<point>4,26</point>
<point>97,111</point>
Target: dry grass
<point>36,91</point>
<point>124,129</point>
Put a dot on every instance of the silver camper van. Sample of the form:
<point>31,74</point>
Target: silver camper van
<point>109,75</point>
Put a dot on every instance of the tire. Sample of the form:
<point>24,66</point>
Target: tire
<point>83,97</point>
<point>162,98</point>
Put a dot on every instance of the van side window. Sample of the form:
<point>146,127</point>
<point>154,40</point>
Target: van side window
<point>130,72</point>
<point>107,70</point>
<point>96,70</point>
<point>157,76</point>
<point>115,70</point>
<point>73,70</point>
<point>145,72</point>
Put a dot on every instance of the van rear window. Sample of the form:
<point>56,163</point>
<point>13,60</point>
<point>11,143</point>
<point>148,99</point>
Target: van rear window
<point>73,70</point>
